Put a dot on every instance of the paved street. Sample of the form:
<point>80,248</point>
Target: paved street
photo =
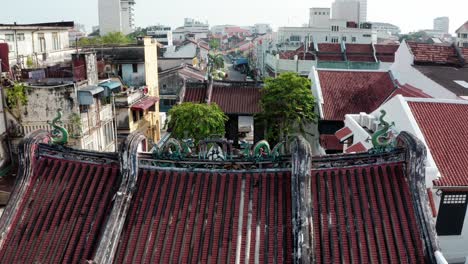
<point>233,75</point>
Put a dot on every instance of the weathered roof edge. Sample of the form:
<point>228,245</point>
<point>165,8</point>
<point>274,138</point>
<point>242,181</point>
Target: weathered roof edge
<point>27,158</point>
<point>107,246</point>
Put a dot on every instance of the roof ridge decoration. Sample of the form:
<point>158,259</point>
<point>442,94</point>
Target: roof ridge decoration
<point>216,152</point>
<point>59,133</point>
<point>383,139</point>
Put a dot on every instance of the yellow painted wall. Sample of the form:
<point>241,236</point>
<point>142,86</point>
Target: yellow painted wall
<point>151,73</point>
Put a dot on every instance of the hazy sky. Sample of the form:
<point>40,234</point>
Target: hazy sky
<point>410,15</point>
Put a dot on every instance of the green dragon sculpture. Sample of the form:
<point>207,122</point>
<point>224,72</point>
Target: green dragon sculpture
<point>381,139</point>
<point>59,134</point>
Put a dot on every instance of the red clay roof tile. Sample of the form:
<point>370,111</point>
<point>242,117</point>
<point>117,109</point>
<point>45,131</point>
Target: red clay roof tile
<point>62,213</point>
<point>364,215</point>
<point>408,90</point>
<point>232,100</point>
<point>356,148</point>
<point>343,133</point>
<point>352,92</point>
<point>189,217</point>
<point>330,142</point>
<point>433,53</point>
<point>444,127</point>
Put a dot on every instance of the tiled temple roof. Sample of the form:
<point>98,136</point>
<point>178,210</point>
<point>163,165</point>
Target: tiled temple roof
<point>77,206</point>
<point>364,215</point>
<point>208,217</point>
<point>62,212</point>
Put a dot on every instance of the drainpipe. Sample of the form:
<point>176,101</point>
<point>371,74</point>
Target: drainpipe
<point>33,46</point>
<point>16,46</point>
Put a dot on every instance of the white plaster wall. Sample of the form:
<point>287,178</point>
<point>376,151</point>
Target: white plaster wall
<point>133,79</point>
<point>187,51</point>
<point>31,43</point>
<point>403,70</point>
<point>324,35</point>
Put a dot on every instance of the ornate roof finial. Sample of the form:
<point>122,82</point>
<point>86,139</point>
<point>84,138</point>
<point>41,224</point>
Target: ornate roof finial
<point>58,134</point>
<point>382,139</point>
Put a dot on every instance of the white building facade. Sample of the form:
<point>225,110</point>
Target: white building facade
<point>116,16</point>
<point>462,35</point>
<point>162,34</point>
<point>385,30</point>
<point>40,44</point>
<point>319,17</point>
<point>336,33</point>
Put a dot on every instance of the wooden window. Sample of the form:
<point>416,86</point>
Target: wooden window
<point>135,68</point>
<point>9,37</point>
<point>452,212</point>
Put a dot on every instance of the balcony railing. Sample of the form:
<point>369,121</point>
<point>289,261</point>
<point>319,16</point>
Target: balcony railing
<point>127,98</point>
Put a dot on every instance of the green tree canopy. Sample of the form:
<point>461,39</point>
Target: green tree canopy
<point>287,106</point>
<point>196,121</point>
<point>113,38</point>
<point>214,44</point>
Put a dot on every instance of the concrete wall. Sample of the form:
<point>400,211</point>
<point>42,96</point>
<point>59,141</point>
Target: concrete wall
<point>187,51</point>
<point>131,78</point>
<point>278,65</point>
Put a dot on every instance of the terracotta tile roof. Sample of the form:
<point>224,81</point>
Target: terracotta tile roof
<point>464,51</point>
<point>343,133</point>
<point>434,54</point>
<point>237,100</point>
<point>191,217</point>
<point>61,215</point>
<point>352,92</point>
<point>356,148</point>
<point>364,215</point>
<point>195,95</point>
<point>330,52</point>
<point>329,47</point>
<point>386,53</point>
<point>330,142</point>
<point>408,90</point>
<point>359,48</point>
<point>444,127</point>
<point>231,99</point>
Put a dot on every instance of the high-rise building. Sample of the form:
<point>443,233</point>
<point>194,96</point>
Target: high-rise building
<point>319,17</point>
<point>442,24</point>
<point>116,16</point>
<point>350,10</point>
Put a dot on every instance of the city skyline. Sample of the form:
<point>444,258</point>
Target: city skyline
<point>150,13</point>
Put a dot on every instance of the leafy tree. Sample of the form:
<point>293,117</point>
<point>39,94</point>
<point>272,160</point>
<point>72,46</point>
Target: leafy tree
<point>214,44</point>
<point>419,36</point>
<point>216,66</point>
<point>113,38</point>
<point>287,106</point>
<point>196,121</point>
<point>17,95</point>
